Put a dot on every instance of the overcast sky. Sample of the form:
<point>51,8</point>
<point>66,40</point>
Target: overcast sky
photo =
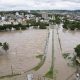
<point>39,4</point>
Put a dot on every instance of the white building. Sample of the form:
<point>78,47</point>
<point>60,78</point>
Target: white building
<point>27,16</point>
<point>45,15</point>
<point>29,11</point>
<point>53,17</point>
<point>37,19</point>
<point>30,77</point>
<point>3,18</point>
<point>17,13</point>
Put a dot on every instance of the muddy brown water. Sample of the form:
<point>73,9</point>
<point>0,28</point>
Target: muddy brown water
<point>24,46</point>
<point>48,60</point>
<point>69,40</point>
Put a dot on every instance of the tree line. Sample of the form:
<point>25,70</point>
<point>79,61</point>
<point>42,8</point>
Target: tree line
<point>41,25</point>
<point>10,26</point>
<point>72,25</point>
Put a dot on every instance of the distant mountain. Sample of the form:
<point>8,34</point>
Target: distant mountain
<point>49,11</point>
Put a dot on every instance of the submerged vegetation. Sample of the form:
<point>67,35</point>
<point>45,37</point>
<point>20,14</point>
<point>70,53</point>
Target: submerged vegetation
<point>49,74</point>
<point>40,57</point>
<point>77,50</point>
<point>65,55</point>
<point>9,76</point>
<point>5,46</point>
<point>42,60</point>
<point>75,59</point>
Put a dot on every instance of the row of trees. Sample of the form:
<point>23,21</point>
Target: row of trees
<point>5,46</point>
<point>42,25</point>
<point>10,26</point>
<point>72,25</point>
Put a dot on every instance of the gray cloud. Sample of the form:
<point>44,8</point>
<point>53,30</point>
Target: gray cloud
<point>39,4</point>
<point>72,1</point>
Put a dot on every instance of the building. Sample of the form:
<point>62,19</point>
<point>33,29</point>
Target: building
<point>27,16</point>
<point>37,19</point>
<point>45,15</point>
<point>17,13</point>
<point>3,18</point>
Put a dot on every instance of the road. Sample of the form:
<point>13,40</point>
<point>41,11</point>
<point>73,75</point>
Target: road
<point>63,71</point>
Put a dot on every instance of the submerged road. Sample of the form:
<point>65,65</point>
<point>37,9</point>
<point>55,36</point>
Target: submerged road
<point>63,71</point>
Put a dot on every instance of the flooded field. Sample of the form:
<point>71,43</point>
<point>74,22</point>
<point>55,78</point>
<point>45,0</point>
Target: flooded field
<point>24,46</point>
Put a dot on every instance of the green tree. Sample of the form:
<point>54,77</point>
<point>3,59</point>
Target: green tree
<point>0,44</point>
<point>43,25</point>
<point>5,46</point>
<point>77,50</point>
<point>57,19</point>
<point>65,23</point>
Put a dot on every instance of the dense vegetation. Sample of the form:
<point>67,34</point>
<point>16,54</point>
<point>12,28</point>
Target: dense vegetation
<point>42,25</point>
<point>72,25</point>
<point>74,60</point>
<point>77,50</point>
<point>57,20</point>
<point>23,27</point>
<point>10,26</point>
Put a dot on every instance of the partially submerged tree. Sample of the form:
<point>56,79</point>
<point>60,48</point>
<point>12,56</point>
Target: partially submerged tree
<point>77,50</point>
<point>0,44</point>
<point>5,46</point>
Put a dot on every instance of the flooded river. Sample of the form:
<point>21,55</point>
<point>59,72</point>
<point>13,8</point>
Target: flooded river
<point>68,41</point>
<point>24,46</point>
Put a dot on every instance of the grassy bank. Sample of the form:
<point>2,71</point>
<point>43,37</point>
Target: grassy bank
<point>49,74</point>
<point>9,76</point>
<point>42,60</point>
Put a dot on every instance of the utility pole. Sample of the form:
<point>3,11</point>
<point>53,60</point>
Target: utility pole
<point>11,69</point>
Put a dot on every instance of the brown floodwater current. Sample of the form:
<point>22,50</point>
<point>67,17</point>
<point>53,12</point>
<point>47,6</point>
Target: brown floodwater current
<point>23,48</point>
<point>64,42</point>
